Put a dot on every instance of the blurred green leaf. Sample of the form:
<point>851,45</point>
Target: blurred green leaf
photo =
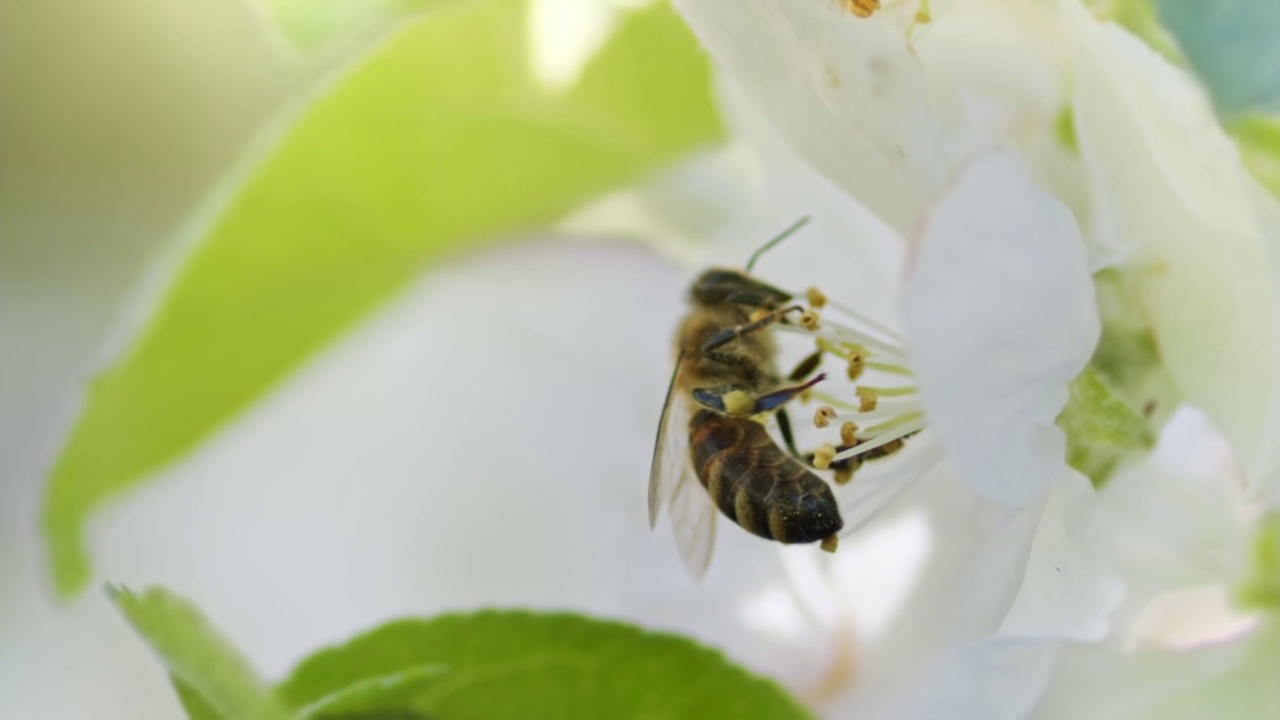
<point>441,139</point>
<point>524,665</point>
<point>211,677</point>
<point>193,702</point>
<point>1234,46</point>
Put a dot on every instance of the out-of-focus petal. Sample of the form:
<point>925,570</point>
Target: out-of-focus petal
<point>1169,180</point>
<point>994,678</point>
<point>1000,310</point>
<point>485,441</point>
<point>847,93</point>
<point>1235,679</point>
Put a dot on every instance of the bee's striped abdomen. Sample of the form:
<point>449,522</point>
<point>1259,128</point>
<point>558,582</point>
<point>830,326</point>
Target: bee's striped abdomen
<point>758,485</point>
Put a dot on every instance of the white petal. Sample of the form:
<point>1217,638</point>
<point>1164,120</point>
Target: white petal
<point>992,679</point>
<point>1048,573</point>
<point>1043,579</point>
<point>1000,309</point>
<point>1195,534</point>
<point>1169,180</point>
<point>847,93</point>
<point>1071,584</point>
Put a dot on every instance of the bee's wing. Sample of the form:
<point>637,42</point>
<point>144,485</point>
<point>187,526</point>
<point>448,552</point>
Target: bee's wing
<point>672,482</point>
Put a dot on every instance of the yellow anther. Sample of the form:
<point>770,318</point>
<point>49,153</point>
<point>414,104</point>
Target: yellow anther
<point>815,297</point>
<point>867,399</point>
<point>843,475</point>
<point>737,402</point>
<point>829,543</point>
<point>849,433</point>
<point>862,8</point>
<point>824,456</point>
<point>809,320</point>
<point>857,363</point>
<point>823,416</point>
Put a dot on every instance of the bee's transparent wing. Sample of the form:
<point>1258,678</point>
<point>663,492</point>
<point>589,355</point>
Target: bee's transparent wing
<point>672,482</point>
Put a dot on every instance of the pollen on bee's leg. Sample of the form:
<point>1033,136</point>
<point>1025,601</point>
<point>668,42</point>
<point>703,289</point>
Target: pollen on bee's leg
<point>816,299</point>
<point>824,456</point>
<point>829,543</point>
<point>849,433</point>
<point>737,402</point>
<point>759,314</point>
<point>809,320</point>
<point>822,416</point>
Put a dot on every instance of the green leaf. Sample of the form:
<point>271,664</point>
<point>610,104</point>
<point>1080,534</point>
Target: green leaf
<point>212,679</point>
<point>525,665</point>
<point>1259,140</point>
<point>439,140</point>
<point>1234,46</point>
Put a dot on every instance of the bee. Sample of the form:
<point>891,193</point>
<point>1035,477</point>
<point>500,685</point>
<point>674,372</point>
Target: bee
<point>712,449</point>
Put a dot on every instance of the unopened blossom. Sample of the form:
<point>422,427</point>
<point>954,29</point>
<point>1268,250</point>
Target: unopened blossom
<point>1199,237</point>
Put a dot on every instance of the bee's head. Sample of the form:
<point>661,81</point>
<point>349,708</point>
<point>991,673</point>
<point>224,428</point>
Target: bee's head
<point>718,286</point>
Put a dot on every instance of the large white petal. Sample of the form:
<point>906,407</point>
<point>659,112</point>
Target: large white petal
<point>848,94</point>
<point>1000,309</point>
<point>1168,179</point>
<point>485,441</point>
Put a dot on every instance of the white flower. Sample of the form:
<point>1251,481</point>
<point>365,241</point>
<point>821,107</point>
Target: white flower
<point>998,317</point>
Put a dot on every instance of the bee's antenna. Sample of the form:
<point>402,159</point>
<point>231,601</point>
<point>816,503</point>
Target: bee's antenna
<point>777,239</point>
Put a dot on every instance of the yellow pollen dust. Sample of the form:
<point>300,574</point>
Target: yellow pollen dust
<point>829,543</point>
<point>760,314</point>
<point>867,399</point>
<point>822,416</point>
<point>815,297</point>
<point>862,8</point>
<point>824,456</point>
<point>857,363</point>
<point>737,402</point>
<point>849,433</point>
<point>809,320</point>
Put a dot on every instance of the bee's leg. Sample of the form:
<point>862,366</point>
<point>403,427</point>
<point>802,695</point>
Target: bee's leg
<point>806,367</point>
<point>733,400</point>
<point>788,438</point>
<point>778,398</point>
<point>733,333</point>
